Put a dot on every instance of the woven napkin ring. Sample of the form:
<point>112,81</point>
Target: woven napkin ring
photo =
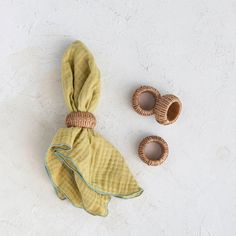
<point>81,119</point>
<point>136,100</point>
<point>166,109</point>
<point>159,159</point>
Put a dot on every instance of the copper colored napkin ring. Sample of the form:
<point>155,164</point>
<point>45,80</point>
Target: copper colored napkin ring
<point>164,150</point>
<point>167,108</point>
<point>81,119</point>
<point>136,102</point>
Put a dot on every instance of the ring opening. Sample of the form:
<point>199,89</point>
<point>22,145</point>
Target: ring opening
<point>153,151</point>
<point>146,101</point>
<point>173,111</point>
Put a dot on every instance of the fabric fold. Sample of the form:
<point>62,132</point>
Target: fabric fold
<point>83,166</point>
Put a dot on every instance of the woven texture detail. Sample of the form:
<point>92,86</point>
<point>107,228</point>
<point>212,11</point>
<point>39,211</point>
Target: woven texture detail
<point>83,166</point>
<point>136,100</point>
<point>167,109</point>
<point>164,150</point>
<point>81,119</point>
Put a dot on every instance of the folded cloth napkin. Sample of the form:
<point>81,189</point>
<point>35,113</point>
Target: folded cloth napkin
<point>83,166</point>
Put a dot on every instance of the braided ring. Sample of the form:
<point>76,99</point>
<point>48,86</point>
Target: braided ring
<point>167,109</point>
<point>136,102</point>
<point>80,119</point>
<point>164,149</point>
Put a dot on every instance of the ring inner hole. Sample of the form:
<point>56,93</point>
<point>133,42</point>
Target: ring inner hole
<point>173,111</point>
<point>146,101</point>
<point>153,151</point>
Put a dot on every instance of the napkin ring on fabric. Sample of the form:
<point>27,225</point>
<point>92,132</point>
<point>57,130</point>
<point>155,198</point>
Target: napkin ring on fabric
<point>164,150</point>
<point>81,119</point>
<point>166,108</point>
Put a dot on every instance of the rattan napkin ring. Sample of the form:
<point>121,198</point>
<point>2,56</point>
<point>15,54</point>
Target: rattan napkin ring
<point>166,109</point>
<point>164,149</point>
<point>81,119</point>
<point>136,100</point>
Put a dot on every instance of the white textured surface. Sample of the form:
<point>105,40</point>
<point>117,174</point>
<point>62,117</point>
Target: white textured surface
<point>183,47</point>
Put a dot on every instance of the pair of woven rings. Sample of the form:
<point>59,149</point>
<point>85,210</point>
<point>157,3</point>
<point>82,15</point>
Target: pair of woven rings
<point>80,119</point>
<point>166,108</point>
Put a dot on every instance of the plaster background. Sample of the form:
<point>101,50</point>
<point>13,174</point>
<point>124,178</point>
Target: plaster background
<point>182,47</point>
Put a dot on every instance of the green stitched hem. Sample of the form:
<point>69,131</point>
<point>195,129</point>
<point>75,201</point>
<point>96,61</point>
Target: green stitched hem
<point>56,188</point>
<point>63,158</point>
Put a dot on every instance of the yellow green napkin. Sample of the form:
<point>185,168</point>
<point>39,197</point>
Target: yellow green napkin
<point>83,166</point>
